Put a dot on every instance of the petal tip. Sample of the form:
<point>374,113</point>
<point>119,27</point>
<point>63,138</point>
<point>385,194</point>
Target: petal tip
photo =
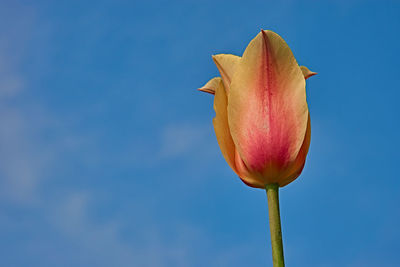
<point>217,57</point>
<point>207,90</point>
<point>306,72</point>
<point>211,86</point>
<point>312,74</point>
<point>264,34</point>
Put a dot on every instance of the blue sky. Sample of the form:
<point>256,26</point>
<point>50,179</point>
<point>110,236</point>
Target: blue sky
<point>108,155</point>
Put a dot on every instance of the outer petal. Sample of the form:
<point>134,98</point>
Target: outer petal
<point>226,65</point>
<point>298,164</point>
<point>245,174</point>
<point>267,108</point>
<point>211,85</point>
<point>221,126</point>
<point>306,72</point>
<point>224,138</point>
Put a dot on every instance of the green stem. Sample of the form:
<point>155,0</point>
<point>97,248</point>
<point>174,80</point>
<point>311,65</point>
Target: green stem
<point>275,225</point>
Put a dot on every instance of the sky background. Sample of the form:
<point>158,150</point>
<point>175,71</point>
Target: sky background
<point>108,156</point>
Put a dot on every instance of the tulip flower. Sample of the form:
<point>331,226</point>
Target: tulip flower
<point>262,120</point>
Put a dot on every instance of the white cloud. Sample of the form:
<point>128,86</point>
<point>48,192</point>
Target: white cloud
<point>103,244</point>
<point>21,162</point>
<point>15,32</point>
<point>9,85</point>
<point>26,166</point>
<point>20,166</point>
<point>178,139</point>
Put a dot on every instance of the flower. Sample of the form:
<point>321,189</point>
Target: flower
<point>262,121</point>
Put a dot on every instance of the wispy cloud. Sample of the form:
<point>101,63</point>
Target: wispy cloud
<point>21,162</point>
<point>15,31</point>
<point>27,160</point>
<point>178,139</point>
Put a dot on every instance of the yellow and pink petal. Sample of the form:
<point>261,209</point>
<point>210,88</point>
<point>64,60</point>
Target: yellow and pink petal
<point>221,126</point>
<point>306,72</point>
<point>226,64</point>
<point>297,166</point>
<point>267,108</point>
<point>211,85</point>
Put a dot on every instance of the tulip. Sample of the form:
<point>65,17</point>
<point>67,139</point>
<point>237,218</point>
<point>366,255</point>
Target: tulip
<point>262,120</point>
